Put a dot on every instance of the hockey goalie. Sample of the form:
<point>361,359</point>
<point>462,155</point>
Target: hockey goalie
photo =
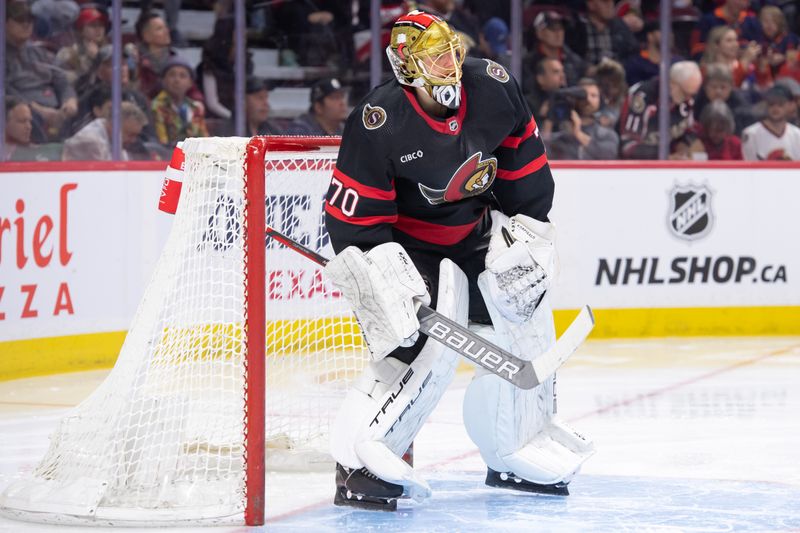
<point>440,196</point>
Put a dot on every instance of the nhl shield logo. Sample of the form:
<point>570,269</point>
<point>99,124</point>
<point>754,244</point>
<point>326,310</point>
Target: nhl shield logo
<point>690,215</point>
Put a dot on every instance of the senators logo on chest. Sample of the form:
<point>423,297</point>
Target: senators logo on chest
<point>474,176</point>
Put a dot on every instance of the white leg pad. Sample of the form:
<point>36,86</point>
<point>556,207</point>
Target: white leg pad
<point>515,429</point>
<point>388,405</point>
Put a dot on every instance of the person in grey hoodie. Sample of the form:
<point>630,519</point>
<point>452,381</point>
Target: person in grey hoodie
<point>584,137</point>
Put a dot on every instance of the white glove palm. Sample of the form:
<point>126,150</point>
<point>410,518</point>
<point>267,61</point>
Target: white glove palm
<point>385,290</point>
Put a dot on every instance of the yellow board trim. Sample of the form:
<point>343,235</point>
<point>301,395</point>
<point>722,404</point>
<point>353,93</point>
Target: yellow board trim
<point>689,322</point>
<point>72,353</point>
<point>57,355</point>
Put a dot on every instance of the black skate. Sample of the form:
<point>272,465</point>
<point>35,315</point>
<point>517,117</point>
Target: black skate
<point>508,480</point>
<point>363,489</point>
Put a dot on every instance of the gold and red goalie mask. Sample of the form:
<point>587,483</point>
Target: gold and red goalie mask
<point>425,52</point>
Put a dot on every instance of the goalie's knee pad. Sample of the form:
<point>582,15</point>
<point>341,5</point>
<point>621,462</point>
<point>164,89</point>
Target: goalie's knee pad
<point>514,428</point>
<point>385,409</point>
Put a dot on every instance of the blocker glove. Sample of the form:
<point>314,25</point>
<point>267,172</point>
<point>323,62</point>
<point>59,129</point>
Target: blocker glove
<point>385,289</point>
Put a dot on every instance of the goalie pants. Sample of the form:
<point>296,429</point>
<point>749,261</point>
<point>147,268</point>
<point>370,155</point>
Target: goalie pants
<point>469,255</point>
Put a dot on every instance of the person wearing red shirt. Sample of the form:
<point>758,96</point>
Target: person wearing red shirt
<point>715,135</point>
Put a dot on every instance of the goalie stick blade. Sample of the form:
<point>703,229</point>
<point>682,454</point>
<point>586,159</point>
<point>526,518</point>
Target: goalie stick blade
<point>550,361</point>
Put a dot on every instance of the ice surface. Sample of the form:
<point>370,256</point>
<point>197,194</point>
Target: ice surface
<point>692,435</point>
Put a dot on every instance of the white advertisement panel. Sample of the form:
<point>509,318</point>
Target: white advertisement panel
<point>672,237</point>
<point>77,247</point>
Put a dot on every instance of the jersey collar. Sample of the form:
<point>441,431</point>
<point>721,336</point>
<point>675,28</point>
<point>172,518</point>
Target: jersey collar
<point>448,126</point>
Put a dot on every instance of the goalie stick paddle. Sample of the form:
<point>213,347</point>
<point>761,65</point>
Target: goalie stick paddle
<point>523,374</point>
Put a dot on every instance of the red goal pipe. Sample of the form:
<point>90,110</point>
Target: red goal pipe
<point>255,320</point>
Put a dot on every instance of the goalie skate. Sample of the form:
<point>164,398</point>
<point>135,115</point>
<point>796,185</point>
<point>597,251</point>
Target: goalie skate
<point>362,489</point>
<point>508,480</point>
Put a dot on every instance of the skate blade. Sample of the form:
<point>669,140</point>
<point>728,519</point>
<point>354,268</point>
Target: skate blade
<point>558,489</point>
<point>362,501</point>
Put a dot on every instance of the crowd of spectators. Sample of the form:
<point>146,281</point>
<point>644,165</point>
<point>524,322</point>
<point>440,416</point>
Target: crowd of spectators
<point>590,74</point>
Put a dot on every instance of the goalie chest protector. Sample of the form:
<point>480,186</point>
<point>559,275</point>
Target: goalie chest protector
<point>404,175</point>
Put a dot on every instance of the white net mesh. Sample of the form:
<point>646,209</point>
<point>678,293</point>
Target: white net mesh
<point>161,440</point>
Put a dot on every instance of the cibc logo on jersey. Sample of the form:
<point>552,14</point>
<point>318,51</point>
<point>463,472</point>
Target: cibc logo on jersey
<point>474,176</point>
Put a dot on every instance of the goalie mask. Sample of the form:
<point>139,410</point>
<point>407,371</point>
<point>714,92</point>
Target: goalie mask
<point>425,52</point>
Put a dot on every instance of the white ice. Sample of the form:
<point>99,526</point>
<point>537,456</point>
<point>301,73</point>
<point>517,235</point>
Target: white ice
<point>692,435</point>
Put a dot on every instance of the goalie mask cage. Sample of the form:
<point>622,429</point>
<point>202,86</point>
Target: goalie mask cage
<point>178,430</point>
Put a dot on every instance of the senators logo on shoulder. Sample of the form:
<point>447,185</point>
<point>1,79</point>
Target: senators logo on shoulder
<point>373,117</point>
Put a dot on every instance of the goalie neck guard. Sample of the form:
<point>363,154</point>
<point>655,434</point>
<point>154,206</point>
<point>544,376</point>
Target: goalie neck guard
<point>425,52</point>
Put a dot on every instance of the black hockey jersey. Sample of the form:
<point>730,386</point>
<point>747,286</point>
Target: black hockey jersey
<point>639,122</point>
<point>403,175</point>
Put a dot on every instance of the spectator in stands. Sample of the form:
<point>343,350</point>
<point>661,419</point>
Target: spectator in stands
<point>154,52</point>
<point>715,134</point>
<point>82,57</point>
<point>216,73</point>
<point>549,30</point>
<point>718,85</point>
<point>723,47</point>
<point>610,78</point>
<point>101,77</point>
<point>31,74</point>
<point>172,10</point>
<point>586,138</point>
<point>316,31</point>
<point>494,41</point>
<point>549,77</point>
<point>773,138</point>
<point>732,13</point>
<point>95,104</point>
<point>781,45</point>
<point>19,126</point>
<point>327,113</point>
<point>176,115</point>
<point>639,120</point>
<point>793,87</point>
<point>93,142</point>
<point>601,34</point>
<point>257,111</point>
<point>20,144</point>
<point>646,65</point>
<point>54,20</point>
<point>257,108</point>
<point>631,14</point>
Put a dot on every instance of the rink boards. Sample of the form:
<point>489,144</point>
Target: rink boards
<point>656,249</point>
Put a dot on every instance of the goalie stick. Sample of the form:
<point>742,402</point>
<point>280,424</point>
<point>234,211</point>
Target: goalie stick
<point>523,374</point>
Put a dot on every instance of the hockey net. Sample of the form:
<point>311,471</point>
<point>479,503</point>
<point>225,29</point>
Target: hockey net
<point>177,431</point>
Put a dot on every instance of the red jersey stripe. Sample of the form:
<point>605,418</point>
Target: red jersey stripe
<point>514,142</point>
<point>434,233</point>
<point>335,212</point>
<point>530,168</point>
<point>363,190</point>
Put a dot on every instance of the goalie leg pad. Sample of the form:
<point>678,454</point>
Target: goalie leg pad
<point>515,429</point>
<point>386,408</point>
